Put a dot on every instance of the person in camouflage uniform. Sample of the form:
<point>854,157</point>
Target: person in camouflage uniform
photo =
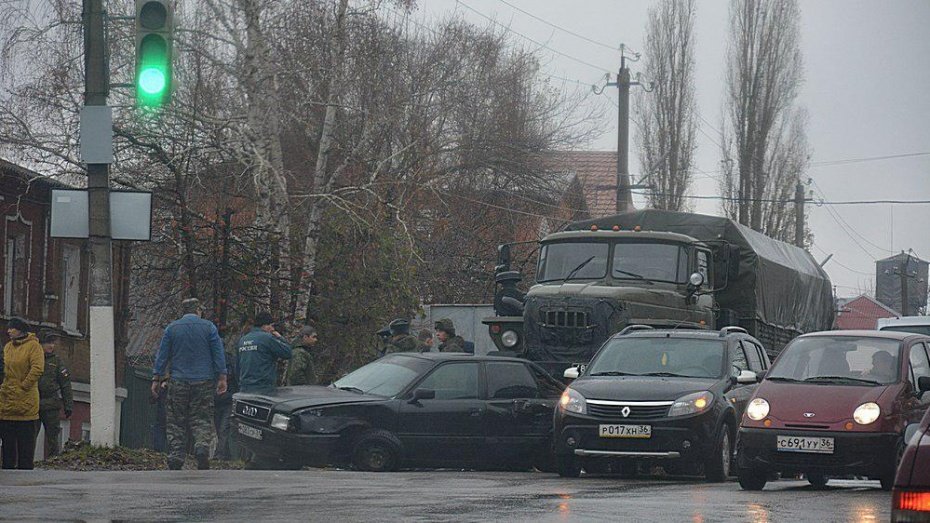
<point>54,392</point>
<point>300,370</point>
<point>401,340</point>
<point>448,341</point>
<point>192,351</point>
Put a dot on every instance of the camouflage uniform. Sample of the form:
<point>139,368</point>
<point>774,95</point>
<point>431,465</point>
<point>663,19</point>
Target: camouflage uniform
<point>190,405</point>
<point>300,369</point>
<point>55,379</point>
<point>402,343</point>
<point>453,343</point>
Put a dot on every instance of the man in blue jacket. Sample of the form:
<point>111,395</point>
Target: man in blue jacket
<point>259,351</point>
<point>192,347</point>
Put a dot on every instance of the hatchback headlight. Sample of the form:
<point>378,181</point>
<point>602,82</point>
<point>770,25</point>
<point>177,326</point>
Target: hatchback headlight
<point>867,413</point>
<point>281,421</point>
<point>692,404</point>
<point>573,401</point>
<point>757,409</point>
<point>510,338</point>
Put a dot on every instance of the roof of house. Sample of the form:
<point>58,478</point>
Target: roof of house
<point>862,312</point>
<point>597,172</point>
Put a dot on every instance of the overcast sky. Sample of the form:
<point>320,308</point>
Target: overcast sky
<point>866,70</point>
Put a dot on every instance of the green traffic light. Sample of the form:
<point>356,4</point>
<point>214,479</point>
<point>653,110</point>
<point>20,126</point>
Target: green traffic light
<point>153,76</point>
<point>152,80</point>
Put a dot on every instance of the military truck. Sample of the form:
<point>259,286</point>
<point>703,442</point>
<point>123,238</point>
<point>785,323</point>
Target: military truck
<point>659,268</point>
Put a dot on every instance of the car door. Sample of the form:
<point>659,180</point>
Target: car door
<point>918,366</point>
<point>738,394</point>
<point>448,428</point>
<point>519,416</point>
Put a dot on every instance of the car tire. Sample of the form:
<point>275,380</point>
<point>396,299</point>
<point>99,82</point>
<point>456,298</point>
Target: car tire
<point>888,479</point>
<point>752,480</point>
<point>818,481</point>
<point>567,466</point>
<point>376,451</point>
<point>717,465</point>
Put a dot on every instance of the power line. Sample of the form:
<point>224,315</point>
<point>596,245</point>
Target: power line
<point>838,216</point>
<point>521,35</point>
<point>560,28</point>
<point>868,159</point>
<point>850,269</point>
<point>777,200</point>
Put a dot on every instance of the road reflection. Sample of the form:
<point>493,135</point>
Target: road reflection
<point>864,513</point>
<point>757,513</point>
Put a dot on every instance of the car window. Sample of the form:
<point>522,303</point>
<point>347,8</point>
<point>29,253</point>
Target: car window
<point>851,360</point>
<point>510,380</point>
<point>738,358</point>
<point>453,381</point>
<point>920,366</point>
<point>763,356</point>
<point>548,386</point>
<point>752,356</point>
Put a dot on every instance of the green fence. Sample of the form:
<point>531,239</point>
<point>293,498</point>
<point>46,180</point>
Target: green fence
<point>137,416</point>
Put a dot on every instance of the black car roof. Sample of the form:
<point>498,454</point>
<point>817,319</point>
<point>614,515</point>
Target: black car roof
<point>456,356</point>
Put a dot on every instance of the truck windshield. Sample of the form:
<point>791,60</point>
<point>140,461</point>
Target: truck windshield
<point>676,357</point>
<point>385,377</point>
<point>572,261</point>
<point>845,360</point>
<point>650,261</point>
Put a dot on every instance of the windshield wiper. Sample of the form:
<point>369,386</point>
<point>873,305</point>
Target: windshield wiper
<point>633,274</point>
<point>842,378</point>
<point>576,269</point>
<point>781,378</point>
<point>613,373</point>
<point>353,389</point>
<point>666,375</point>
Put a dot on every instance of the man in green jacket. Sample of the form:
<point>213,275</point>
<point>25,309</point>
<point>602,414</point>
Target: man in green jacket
<point>401,340</point>
<point>258,352</point>
<point>54,392</point>
<point>300,369</point>
<point>445,333</point>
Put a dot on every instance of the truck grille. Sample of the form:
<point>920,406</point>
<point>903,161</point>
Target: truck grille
<point>563,318</point>
<point>635,411</point>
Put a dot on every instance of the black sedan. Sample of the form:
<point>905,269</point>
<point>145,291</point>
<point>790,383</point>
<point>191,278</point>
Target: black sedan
<point>408,410</point>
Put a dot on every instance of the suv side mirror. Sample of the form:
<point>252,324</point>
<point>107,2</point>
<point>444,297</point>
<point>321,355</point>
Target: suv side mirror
<point>747,376</point>
<point>571,373</point>
<point>423,394</point>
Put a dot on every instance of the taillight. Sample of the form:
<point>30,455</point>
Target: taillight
<point>917,501</point>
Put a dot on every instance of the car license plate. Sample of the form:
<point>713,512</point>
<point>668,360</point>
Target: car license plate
<point>626,431</point>
<point>799,444</point>
<point>251,432</point>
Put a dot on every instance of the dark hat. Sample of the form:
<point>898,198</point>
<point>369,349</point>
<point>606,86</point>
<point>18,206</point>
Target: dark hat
<point>307,330</point>
<point>48,335</point>
<point>18,324</point>
<point>445,325</point>
<point>263,318</point>
<point>399,326</point>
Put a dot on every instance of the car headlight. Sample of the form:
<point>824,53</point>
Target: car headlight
<point>757,409</point>
<point>867,413</point>
<point>691,404</point>
<point>281,421</point>
<point>573,401</point>
<point>509,338</point>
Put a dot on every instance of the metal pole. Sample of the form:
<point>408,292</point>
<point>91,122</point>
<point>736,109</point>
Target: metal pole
<point>799,215</point>
<point>904,263</point>
<point>624,192</point>
<point>102,360</point>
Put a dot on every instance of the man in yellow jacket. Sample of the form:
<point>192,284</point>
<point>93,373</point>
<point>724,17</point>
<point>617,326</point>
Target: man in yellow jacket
<point>23,364</point>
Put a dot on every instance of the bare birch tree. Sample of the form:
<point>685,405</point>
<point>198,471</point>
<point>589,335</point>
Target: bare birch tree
<point>762,135</point>
<point>667,114</point>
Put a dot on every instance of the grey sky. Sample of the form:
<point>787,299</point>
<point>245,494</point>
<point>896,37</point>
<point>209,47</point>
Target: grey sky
<point>867,69</point>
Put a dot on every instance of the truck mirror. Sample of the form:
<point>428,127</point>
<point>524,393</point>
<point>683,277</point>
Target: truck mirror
<point>503,258</point>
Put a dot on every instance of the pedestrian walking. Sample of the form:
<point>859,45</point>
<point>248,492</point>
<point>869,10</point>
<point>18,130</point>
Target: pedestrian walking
<point>301,370</point>
<point>54,392</point>
<point>448,341</point>
<point>258,353</point>
<point>23,364</point>
<point>192,348</point>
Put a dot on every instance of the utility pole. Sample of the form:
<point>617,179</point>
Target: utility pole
<point>102,354</point>
<point>799,215</point>
<point>624,194</point>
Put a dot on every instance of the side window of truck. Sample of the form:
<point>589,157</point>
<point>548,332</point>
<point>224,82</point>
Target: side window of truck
<point>703,265</point>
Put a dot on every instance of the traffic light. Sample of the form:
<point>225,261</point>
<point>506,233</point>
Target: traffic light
<point>154,27</point>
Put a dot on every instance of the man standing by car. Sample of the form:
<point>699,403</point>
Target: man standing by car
<point>54,392</point>
<point>258,352</point>
<point>300,369</point>
<point>448,341</point>
<point>401,340</point>
<point>192,347</point>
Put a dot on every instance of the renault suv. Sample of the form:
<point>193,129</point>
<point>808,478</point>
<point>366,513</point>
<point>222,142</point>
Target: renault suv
<point>670,395</point>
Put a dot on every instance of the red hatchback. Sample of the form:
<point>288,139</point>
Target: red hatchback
<point>912,484</point>
<point>835,403</point>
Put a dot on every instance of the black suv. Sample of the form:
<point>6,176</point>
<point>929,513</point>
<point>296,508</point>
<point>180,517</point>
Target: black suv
<point>674,395</point>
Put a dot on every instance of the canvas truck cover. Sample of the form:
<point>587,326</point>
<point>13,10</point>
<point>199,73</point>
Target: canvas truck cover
<point>778,284</point>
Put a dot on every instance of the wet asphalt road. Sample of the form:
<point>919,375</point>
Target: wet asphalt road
<point>335,495</point>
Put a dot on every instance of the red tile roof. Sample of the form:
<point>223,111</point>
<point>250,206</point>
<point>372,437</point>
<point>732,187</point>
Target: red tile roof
<point>862,313</point>
<point>597,172</point>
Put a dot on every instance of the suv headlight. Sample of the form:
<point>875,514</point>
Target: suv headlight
<point>510,338</point>
<point>691,404</point>
<point>867,413</point>
<point>573,401</point>
<point>281,421</point>
<point>757,409</point>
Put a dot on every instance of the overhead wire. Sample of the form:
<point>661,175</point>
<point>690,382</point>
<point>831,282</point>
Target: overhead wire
<point>560,28</point>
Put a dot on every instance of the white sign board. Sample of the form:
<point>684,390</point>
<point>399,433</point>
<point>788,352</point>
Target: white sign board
<point>130,214</point>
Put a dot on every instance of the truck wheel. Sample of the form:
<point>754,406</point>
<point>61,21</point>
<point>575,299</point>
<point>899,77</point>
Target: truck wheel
<point>818,481</point>
<point>717,465</point>
<point>752,480</point>
<point>376,451</point>
<point>568,466</point>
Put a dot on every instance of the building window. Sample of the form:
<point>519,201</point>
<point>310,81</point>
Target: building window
<point>85,432</point>
<point>15,275</point>
<point>70,286</point>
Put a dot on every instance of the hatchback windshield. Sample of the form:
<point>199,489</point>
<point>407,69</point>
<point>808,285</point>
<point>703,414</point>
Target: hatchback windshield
<point>693,358</point>
<point>385,377</point>
<point>839,359</point>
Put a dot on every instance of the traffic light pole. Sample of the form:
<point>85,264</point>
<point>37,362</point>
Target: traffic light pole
<point>102,353</point>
